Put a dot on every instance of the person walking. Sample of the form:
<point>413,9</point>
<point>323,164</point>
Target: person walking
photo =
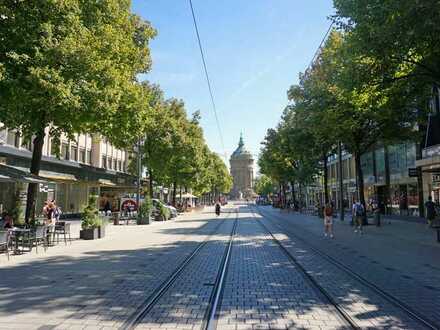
<point>431,212</point>
<point>217,209</point>
<point>328,221</point>
<point>358,213</point>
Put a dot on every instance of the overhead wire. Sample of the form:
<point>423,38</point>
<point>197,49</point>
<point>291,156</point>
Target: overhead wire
<point>320,44</point>
<point>208,80</point>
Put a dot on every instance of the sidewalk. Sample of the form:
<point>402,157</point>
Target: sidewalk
<point>95,284</point>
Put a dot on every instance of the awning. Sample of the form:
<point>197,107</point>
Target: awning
<point>106,183</point>
<point>11,174</point>
<point>55,176</point>
<point>187,195</point>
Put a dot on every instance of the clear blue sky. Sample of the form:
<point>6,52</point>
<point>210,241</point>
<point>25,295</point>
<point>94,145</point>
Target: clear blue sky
<point>254,51</point>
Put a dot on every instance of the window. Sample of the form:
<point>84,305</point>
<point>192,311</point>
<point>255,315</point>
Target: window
<point>115,164</point>
<point>104,161</point>
<point>109,163</point>
<point>13,139</point>
<point>74,153</point>
<point>65,151</point>
<point>123,166</point>
<point>27,145</point>
<point>119,165</point>
<point>54,149</point>
<point>89,156</point>
<point>82,155</point>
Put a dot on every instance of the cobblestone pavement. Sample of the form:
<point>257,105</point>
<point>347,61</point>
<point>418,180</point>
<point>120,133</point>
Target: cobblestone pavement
<point>96,284</point>
<point>99,284</point>
<point>388,256</point>
<point>185,303</point>
<point>264,290</point>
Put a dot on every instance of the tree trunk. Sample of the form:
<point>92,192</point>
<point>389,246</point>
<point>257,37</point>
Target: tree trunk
<point>341,183</point>
<point>174,193</point>
<point>284,196</point>
<point>360,183</point>
<point>35,169</point>
<point>326,199</point>
<point>150,174</point>
<point>387,179</point>
<point>300,196</point>
<point>293,191</point>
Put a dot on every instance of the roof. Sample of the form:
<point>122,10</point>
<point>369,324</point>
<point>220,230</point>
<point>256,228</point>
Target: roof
<point>241,149</point>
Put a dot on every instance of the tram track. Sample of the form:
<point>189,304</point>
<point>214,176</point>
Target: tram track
<point>414,315</point>
<point>209,321</point>
<point>342,313</point>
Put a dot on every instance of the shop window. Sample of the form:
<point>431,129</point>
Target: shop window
<point>89,156</point>
<point>104,161</point>
<point>82,155</point>
<point>74,153</point>
<point>65,151</point>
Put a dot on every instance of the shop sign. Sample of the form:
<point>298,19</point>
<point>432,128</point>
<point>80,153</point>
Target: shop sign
<point>45,188</point>
<point>414,172</point>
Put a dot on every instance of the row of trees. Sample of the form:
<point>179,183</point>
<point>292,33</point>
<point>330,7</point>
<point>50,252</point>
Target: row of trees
<point>174,151</point>
<point>370,85</point>
<point>72,66</point>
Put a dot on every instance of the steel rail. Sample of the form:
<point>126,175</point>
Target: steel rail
<point>387,296</point>
<point>210,320</point>
<point>136,317</point>
<point>341,312</point>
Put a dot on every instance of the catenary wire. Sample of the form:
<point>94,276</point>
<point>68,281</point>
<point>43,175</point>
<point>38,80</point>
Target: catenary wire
<point>207,76</point>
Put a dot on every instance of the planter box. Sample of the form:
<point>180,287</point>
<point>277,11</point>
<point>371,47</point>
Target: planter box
<point>143,221</point>
<point>88,233</point>
<point>101,231</point>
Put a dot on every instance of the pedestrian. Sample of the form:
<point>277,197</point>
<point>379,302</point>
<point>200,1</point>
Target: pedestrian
<point>353,216</point>
<point>107,208</point>
<point>376,211</point>
<point>56,211</point>
<point>8,222</point>
<point>328,220</point>
<point>217,208</point>
<point>431,212</point>
<point>359,212</point>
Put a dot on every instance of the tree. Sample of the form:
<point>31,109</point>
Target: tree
<point>264,185</point>
<point>70,67</point>
<point>396,34</point>
<point>364,113</point>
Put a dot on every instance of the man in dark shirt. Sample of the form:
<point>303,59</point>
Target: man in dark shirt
<point>430,211</point>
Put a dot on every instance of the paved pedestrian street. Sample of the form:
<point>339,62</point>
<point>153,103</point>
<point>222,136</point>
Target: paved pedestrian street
<point>250,268</point>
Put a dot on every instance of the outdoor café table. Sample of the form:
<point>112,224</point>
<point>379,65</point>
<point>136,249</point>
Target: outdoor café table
<point>16,234</point>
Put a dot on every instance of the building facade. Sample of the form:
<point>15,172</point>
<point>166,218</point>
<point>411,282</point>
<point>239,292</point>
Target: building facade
<point>242,171</point>
<point>73,170</point>
<point>429,164</point>
<point>387,179</point>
